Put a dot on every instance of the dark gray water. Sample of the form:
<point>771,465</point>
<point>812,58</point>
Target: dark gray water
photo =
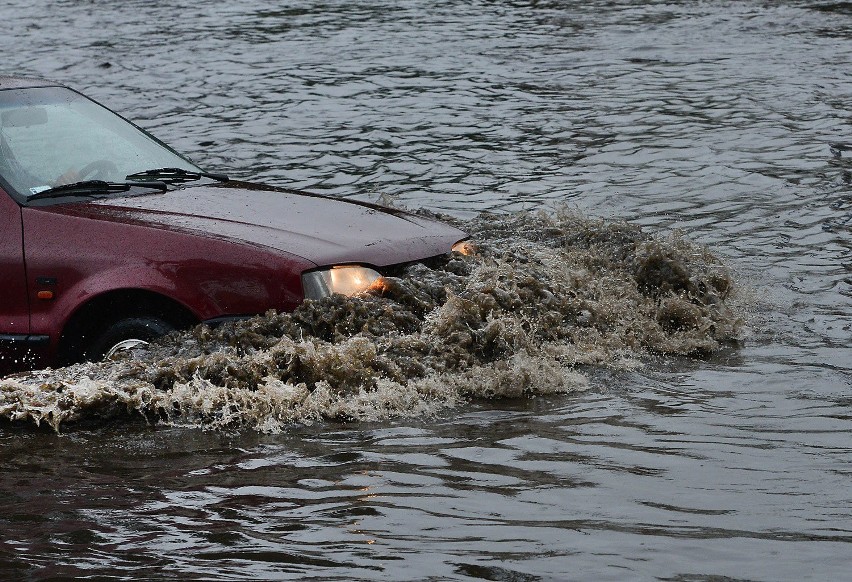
<point>727,120</point>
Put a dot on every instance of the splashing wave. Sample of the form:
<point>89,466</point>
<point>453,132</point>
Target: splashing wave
<point>545,297</point>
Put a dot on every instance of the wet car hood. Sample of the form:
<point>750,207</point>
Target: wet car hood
<point>321,229</point>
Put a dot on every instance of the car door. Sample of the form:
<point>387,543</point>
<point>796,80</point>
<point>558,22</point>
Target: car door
<point>14,306</point>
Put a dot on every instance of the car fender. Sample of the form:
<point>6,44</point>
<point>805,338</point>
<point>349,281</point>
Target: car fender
<point>72,260</point>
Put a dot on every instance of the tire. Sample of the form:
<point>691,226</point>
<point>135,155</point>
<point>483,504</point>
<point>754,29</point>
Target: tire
<point>144,329</point>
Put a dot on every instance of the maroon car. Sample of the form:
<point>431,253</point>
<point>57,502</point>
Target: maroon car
<point>109,237</point>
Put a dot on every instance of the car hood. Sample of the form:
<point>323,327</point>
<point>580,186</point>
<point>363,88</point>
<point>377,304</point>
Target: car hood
<point>321,229</point>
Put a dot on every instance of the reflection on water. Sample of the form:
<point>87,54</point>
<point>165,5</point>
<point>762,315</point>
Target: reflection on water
<point>726,120</point>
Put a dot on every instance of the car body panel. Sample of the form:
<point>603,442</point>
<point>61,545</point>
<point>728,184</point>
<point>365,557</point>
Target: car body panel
<point>209,276</point>
<point>14,315</point>
<point>14,82</point>
<point>323,230</point>
<point>218,252</point>
<point>17,349</point>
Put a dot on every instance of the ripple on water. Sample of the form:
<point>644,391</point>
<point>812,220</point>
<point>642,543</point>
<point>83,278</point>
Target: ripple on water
<point>719,118</point>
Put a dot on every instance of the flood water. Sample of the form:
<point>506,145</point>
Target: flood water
<point>726,121</point>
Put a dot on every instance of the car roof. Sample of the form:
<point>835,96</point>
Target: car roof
<point>14,82</point>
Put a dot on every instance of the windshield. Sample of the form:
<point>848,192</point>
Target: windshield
<point>50,136</point>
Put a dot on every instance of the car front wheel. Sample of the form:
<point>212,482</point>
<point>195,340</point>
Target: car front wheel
<point>126,334</point>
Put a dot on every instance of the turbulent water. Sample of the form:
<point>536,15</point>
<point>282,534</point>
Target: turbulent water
<point>643,372</point>
<point>540,296</point>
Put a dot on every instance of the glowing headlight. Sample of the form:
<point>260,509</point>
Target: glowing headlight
<point>346,280</point>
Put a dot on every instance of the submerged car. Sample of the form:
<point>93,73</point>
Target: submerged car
<point>109,238</point>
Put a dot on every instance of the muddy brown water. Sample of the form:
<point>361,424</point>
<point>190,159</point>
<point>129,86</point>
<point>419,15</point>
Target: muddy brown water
<point>643,374</point>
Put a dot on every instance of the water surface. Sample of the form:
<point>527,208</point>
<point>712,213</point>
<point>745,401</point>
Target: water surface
<point>726,120</point>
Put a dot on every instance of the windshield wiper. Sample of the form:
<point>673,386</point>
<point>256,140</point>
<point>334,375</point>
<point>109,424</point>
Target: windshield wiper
<point>175,175</point>
<point>93,188</point>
